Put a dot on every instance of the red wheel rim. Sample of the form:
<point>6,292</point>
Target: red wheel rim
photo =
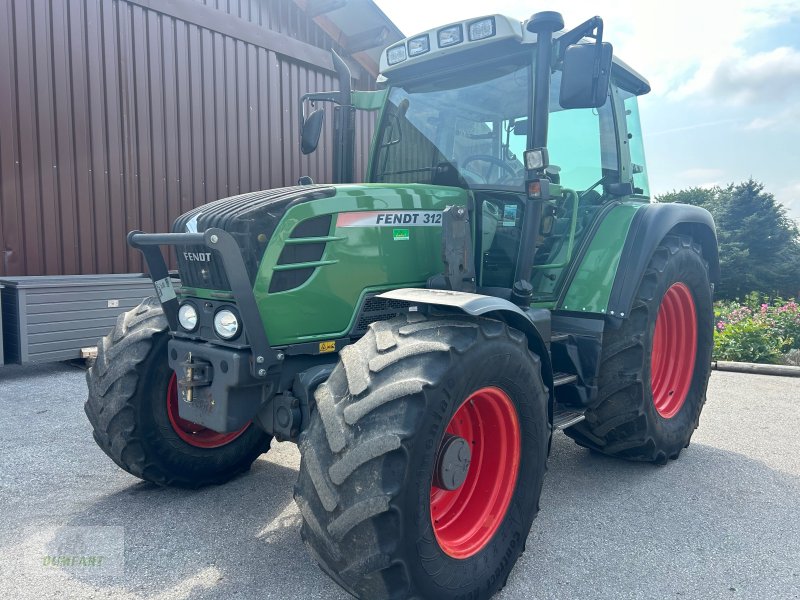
<point>192,433</point>
<point>464,520</point>
<point>674,350</point>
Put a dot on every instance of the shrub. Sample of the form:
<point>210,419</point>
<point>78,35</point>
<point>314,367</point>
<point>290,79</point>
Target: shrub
<point>756,330</point>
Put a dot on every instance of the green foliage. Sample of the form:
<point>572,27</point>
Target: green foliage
<point>696,196</point>
<point>759,245</point>
<point>756,331</point>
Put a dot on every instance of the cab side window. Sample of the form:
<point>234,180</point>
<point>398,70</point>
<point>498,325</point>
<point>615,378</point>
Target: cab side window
<point>582,144</point>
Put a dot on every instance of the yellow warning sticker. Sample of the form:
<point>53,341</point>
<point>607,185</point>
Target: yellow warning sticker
<point>327,346</point>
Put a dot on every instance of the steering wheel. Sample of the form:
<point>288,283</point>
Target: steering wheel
<point>497,162</point>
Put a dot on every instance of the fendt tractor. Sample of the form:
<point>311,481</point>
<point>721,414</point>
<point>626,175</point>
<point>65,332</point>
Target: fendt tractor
<point>502,274</point>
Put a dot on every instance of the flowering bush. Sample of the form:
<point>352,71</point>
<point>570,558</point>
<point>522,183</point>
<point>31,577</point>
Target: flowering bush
<point>756,330</point>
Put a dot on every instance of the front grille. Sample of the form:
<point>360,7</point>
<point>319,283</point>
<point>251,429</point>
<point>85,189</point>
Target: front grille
<point>377,309</point>
<point>209,274</point>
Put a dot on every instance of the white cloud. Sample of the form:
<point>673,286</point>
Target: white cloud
<point>761,78</point>
<point>786,119</point>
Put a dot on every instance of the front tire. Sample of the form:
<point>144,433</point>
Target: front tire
<point>132,406</point>
<point>372,515</point>
<point>654,369</point>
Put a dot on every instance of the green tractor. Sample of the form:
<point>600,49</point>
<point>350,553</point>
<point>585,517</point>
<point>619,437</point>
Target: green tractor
<point>501,275</point>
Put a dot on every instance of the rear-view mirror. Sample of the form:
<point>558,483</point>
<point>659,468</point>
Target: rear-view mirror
<point>312,128</point>
<point>585,76</point>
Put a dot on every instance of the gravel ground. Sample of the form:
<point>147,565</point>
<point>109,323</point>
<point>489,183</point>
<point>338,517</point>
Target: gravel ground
<point>721,522</point>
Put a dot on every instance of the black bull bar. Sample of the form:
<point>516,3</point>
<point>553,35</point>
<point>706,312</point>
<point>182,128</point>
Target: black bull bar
<point>223,245</point>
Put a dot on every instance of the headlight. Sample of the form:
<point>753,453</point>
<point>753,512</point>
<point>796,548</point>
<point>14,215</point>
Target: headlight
<point>480,30</point>
<point>226,324</point>
<point>418,45</point>
<point>187,316</point>
<point>396,55</point>
<point>450,36</point>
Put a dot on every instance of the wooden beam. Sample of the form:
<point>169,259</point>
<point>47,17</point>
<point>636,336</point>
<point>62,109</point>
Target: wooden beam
<point>227,24</point>
<point>362,58</point>
<point>316,8</point>
<point>367,39</point>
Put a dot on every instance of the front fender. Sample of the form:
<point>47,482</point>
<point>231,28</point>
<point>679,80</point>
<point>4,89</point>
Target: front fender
<point>533,322</point>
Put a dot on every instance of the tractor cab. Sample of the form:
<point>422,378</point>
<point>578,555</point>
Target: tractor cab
<point>462,104</point>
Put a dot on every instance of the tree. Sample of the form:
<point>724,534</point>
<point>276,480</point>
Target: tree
<point>759,245</point>
<point>697,196</point>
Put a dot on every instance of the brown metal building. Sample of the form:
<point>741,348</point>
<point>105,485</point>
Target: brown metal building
<point>122,114</point>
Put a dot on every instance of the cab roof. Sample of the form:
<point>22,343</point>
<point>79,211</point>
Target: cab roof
<point>470,34</point>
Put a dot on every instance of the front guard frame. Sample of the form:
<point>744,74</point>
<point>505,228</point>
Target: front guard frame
<point>222,243</point>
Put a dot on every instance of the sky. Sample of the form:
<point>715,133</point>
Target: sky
<point>725,77</point>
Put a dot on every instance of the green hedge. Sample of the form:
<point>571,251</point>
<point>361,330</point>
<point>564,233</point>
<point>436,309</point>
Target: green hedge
<point>757,329</point>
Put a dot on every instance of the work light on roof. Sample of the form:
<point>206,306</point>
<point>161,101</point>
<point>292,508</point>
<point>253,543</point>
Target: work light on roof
<point>419,45</point>
<point>450,36</point>
<point>396,55</point>
<point>480,30</point>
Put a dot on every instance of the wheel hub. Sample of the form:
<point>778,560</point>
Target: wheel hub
<point>452,463</point>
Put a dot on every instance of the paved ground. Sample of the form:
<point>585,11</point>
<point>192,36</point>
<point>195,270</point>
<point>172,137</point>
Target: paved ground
<point>722,522</point>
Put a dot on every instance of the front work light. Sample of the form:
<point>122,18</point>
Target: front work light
<point>480,30</point>
<point>187,316</point>
<point>450,36</point>
<point>396,55</point>
<point>226,324</point>
<point>536,159</point>
<point>418,45</point>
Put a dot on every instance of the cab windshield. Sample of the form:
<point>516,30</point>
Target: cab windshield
<point>468,128</point>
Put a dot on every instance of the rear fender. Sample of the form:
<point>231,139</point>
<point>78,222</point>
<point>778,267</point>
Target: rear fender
<point>648,228</point>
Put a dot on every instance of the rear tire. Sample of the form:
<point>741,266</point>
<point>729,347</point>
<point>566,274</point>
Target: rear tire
<point>128,408</point>
<point>649,404</point>
<point>365,484</point>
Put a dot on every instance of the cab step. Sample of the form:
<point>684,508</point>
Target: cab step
<point>563,379</point>
<point>559,337</point>
<point>566,418</point>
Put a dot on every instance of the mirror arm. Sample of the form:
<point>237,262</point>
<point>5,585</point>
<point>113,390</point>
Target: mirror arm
<point>315,97</point>
<point>592,28</point>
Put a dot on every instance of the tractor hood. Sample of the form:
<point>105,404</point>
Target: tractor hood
<point>253,218</point>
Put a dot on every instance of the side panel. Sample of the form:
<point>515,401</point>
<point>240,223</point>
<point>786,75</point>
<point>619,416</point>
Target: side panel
<point>363,253</point>
<point>590,288</point>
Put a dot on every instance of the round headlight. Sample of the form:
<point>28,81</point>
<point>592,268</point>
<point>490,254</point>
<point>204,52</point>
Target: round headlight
<point>187,316</point>
<point>226,324</point>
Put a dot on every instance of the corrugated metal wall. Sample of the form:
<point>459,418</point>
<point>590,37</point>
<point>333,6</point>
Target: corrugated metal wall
<point>122,114</point>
